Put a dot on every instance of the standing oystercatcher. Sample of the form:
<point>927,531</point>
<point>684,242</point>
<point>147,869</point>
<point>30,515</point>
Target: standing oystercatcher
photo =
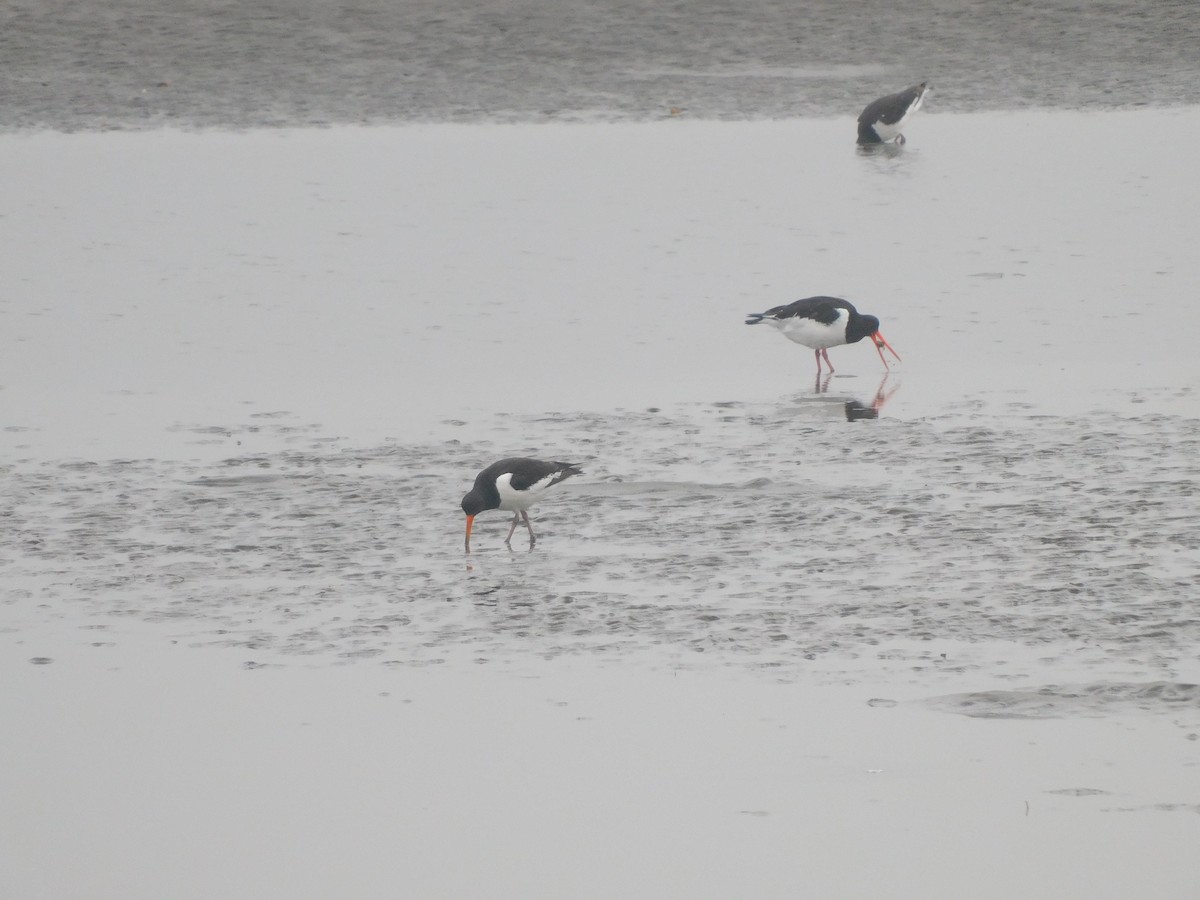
<point>513,484</point>
<point>823,322</point>
<point>884,119</point>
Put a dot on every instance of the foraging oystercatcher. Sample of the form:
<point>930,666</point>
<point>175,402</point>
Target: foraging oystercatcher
<point>823,322</point>
<point>884,119</point>
<point>516,484</point>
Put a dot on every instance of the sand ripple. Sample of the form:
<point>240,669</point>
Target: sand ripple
<point>762,536</point>
<point>1060,701</point>
<point>277,62</point>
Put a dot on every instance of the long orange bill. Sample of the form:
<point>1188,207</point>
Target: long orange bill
<point>880,343</point>
<point>470,522</point>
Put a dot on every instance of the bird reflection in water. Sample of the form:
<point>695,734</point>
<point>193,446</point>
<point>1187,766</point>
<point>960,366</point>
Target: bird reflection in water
<point>880,151</point>
<point>857,409</point>
<point>841,402</point>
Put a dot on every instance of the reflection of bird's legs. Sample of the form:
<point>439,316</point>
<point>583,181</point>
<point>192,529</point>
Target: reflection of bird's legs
<point>822,385</point>
<point>516,520</point>
<point>881,397</point>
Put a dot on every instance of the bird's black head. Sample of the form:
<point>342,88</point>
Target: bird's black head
<point>861,327</point>
<point>472,504</point>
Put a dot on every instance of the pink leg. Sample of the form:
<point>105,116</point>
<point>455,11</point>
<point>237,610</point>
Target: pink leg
<point>516,520</point>
<point>529,525</point>
<point>825,353</point>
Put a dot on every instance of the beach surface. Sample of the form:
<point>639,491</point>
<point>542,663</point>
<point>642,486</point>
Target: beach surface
<point>929,632</point>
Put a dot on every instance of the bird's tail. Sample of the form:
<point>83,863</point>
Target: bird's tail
<point>566,470</point>
<point>755,318</point>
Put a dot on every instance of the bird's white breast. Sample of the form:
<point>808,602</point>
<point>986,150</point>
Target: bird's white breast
<point>812,333</point>
<point>512,500</point>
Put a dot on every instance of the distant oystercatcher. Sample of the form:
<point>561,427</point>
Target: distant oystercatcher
<point>514,484</point>
<point>883,119</point>
<point>823,322</point>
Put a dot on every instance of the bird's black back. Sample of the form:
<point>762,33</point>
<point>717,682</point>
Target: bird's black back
<point>890,109</point>
<point>525,473</point>
<point>528,472</point>
<point>820,309</point>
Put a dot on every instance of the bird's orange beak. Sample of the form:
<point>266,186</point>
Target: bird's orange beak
<point>470,522</point>
<point>880,343</point>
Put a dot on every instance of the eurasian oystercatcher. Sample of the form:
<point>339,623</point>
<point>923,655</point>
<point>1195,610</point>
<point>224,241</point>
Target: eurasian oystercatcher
<point>516,484</point>
<point>883,119</point>
<point>823,322</point>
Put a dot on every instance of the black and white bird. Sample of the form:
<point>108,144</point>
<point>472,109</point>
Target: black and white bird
<point>824,322</point>
<point>514,484</point>
<point>883,120</point>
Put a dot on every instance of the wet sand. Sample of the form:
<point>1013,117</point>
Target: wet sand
<point>122,64</point>
<point>759,649</point>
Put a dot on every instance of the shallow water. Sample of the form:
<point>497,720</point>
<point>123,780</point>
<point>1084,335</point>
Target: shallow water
<point>214,295</point>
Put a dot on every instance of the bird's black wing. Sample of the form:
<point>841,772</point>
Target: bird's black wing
<point>528,472</point>
<point>866,133</point>
<point>820,309</point>
<point>890,109</point>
